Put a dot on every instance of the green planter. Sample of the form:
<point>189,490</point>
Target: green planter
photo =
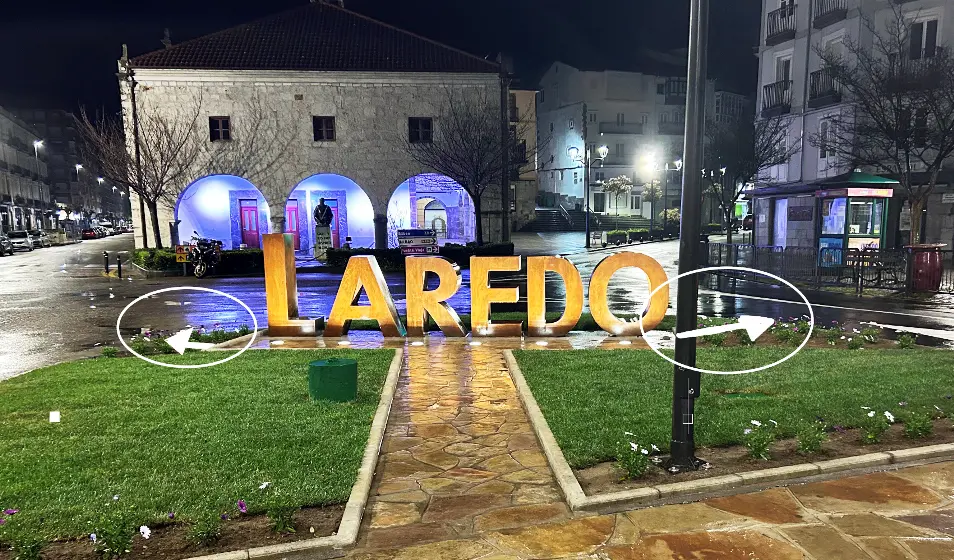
<point>335,379</point>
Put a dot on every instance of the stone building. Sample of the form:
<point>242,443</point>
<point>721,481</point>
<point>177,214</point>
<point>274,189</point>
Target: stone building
<point>349,93</point>
<point>793,82</point>
<point>25,201</point>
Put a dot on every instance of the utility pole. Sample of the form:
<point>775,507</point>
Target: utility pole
<point>685,387</point>
<point>126,73</point>
<point>586,178</point>
<point>506,146</point>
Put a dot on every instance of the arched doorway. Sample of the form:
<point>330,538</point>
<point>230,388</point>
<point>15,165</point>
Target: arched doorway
<point>223,207</point>
<point>350,205</point>
<point>432,201</point>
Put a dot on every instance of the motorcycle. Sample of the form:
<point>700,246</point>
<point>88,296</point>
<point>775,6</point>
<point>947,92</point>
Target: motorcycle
<point>204,254</point>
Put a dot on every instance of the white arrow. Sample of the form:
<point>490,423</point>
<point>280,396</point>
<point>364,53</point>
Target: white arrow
<point>945,335</point>
<point>754,326</point>
<point>180,341</point>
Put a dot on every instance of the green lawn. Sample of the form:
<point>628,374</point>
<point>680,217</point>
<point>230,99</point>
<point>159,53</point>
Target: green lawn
<point>590,397</point>
<point>166,440</point>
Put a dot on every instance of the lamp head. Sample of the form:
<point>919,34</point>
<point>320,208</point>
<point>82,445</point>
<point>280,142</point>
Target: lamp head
<point>678,163</point>
<point>603,151</point>
<point>100,180</point>
<point>37,144</point>
<point>79,166</point>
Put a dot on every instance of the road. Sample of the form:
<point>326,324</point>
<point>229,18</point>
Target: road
<point>58,305</point>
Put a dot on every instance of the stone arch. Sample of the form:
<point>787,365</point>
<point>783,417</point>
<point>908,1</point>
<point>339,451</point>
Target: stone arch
<point>224,207</point>
<point>351,205</point>
<point>460,220</point>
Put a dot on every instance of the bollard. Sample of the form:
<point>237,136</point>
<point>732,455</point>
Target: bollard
<point>119,265</point>
<point>106,261</point>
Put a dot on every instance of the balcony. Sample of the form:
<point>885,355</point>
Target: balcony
<point>777,98</point>
<point>780,25</point>
<point>907,74</point>
<point>828,12</point>
<point>615,128</point>
<point>823,89</point>
<point>672,128</point>
<point>676,89</point>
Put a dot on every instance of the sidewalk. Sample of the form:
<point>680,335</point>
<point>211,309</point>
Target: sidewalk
<point>462,476</point>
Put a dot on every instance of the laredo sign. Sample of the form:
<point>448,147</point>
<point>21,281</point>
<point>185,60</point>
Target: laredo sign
<point>363,272</point>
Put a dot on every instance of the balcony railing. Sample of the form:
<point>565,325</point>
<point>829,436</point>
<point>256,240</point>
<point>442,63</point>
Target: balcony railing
<point>777,98</point>
<point>828,12</point>
<point>823,89</point>
<point>673,128</point>
<point>780,25</point>
<point>676,89</point>
<point>910,74</point>
<point>616,128</point>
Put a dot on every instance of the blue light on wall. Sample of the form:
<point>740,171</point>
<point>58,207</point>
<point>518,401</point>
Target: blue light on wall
<point>459,216</point>
<point>210,206</point>
<point>354,210</point>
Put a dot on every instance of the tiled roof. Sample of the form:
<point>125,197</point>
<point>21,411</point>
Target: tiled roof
<point>319,37</point>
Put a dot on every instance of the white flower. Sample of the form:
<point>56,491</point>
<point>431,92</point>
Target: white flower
<point>871,414</point>
<point>653,445</point>
<point>92,537</point>
<point>747,431</point>
<point>889,416</point>
<point>774,422</point>
<point>264,485</point>
<point>644,451</point>
<point>633,446</point>
<point>842,337</point>
<point>629,434</point>
<point>937,407</point>
<point>866,408</point>
<point>145,532</point>
<point>756,423</point>
<point>116,497</point>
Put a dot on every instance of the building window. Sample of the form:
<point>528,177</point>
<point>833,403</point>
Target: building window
<point>593,117</point>
<point>825,149</point>
<point>514,111</point>
<point>219,129</point>
<point>420,130</point>
<point>561,174</point>
<point>634,203</point>
<point>644,118</point>
<point>923,37</point>
<point>620,150</point>
<point>660,89</point>
<point>576,176</point>
<point>600,176</point>
<point>591,148</point>
<point>323,128</point>
<point>542,96</point>
<point>620,119</point>
<point>551,127</point>
<point>571,124</point>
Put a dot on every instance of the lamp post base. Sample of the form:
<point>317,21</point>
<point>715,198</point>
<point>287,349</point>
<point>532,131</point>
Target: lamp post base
<point>683,464</point>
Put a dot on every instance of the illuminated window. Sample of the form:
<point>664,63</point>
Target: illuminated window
<point>219,129</point>
<point>864,217</point>
<point>571,124</point>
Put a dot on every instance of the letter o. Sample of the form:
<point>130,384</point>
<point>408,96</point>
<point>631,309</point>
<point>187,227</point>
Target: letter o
<point>600,281</point>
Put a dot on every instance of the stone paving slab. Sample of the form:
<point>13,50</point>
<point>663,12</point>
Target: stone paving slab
<point>462,476</point>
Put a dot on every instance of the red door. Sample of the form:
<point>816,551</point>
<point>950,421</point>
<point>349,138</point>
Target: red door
<point>335,239</point>
<point>291,222</point>
<point>249,209</point>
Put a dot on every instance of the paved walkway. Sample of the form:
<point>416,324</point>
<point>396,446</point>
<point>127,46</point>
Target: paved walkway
<point>461,476</point>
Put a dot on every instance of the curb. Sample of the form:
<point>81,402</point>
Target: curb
<point>692,490</point>
<point>347,534</point>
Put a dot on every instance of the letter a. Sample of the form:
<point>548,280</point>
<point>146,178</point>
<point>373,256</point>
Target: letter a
<point>363,272</point>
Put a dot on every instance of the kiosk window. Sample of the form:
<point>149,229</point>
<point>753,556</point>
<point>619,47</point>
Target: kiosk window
<point>864,217</point>
<point>833,216</point>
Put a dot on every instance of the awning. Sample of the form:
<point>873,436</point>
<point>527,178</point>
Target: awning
<point>860,184</point>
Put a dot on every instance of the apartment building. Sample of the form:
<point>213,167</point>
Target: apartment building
<point>25,201</point>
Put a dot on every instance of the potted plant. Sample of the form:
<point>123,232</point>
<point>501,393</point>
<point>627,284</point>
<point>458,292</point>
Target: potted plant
<point>637,234</point>
<point>616,237</point>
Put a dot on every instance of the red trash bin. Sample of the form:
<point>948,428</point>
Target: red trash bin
<point>926,267</point>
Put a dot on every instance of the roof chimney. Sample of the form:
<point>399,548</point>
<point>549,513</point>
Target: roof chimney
<point>166,39</point>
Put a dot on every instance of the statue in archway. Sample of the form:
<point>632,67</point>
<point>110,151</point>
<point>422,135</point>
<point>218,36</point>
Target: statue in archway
<point>323,214</point>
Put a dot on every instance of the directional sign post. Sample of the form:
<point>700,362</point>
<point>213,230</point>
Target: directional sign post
<point>418,241</point>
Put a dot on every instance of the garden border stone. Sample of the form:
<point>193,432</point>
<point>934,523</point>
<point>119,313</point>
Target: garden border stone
<point>693,490</point>
<point>333,546</point>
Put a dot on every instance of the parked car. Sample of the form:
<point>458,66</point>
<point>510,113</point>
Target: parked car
<point>40,239</point>
<point>89,233</point>
<point>6,248</point>
<point>21,240</point>
<point>100,232</point>
<point>747,222</point>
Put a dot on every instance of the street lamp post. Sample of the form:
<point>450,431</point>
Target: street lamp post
<point>686,383</point>
<point>79,167</point>
<point>587,162</point>
<point>37,144</point>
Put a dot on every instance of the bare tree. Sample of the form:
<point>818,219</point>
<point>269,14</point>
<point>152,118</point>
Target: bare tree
<point>169,145</point>
<point>899,118</point>
<point>466,145</point>
<point>739,152</point>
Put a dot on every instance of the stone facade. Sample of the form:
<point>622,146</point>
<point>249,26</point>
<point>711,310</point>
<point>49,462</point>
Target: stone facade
<point>371,111</point>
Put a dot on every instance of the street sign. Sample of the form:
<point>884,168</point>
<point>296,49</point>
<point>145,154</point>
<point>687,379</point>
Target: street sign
<point>418,241</point>
<point>182,249</point>
<point>182,257</point>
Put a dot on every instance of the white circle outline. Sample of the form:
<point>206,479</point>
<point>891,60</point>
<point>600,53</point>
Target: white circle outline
<point>811,323</point>
<point>188,366</point>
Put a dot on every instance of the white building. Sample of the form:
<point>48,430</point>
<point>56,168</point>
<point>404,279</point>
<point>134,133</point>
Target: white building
<point>25,201</point>
<point>353,90</point>
<point>523,122</point>
<point>638,116</point>
<point>793,81</point>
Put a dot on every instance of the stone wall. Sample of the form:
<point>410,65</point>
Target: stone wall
<point>371,113</point>
<point>801,233</point>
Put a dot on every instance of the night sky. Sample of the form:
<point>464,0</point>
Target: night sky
<point>62,54</point>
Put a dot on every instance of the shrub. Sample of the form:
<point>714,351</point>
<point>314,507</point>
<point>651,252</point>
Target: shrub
<point>742,338</point>
<point>114,532</point>
<point>206,531</point>
<point>110,351</point>
<point>873,425</point>
<point>918,424</point>
<point>906,341</point>
<point>870,334</point>
<point>855,343</point>
<point>759,437</point>
<point>810,437</point>
<point>715,339</point>
<point>784,334</point>
<point>833,335</point>
<point>28,547</point>
<point>282,517</point>
<point>632,458</point>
